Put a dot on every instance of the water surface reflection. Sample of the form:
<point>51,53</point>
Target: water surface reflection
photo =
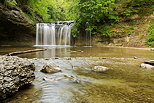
<point>124,82</point>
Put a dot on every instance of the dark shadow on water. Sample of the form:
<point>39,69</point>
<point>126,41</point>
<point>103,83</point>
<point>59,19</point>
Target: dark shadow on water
<point>26,94</point>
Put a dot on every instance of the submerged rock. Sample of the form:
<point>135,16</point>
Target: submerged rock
<point>14,73</point>
<point>48,79</point>
<point>146,66</point>
<point>99,69</point>
<point>72,78</point>
<point>50,68</point>
<point>102,57</point>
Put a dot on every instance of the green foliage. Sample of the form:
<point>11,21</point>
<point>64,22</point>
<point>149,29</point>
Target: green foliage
<point>54,10</point>
<point>11,2</point>
<point>99,14</point>
<point>95,10</point>
<point>96,13</point>
<point>141,3</point>
<point>130,11</point>
<point>105,30</point>
<point>41,7</point>
<point>75,30</point>
<point>131,7</point>
<point>150,37</point>
<point>129,30</point>
<point>22,2</point>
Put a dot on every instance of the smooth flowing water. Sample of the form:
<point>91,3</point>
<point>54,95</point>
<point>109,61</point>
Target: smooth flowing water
<point>58,33</point>
<point>124,82</point>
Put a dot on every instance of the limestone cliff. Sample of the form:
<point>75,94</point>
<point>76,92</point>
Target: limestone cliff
<point>15,25</point>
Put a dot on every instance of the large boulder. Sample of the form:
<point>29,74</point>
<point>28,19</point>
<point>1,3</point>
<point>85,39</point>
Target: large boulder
<point>14,73</point>
<point>99,69</point>
<point>50,68</point>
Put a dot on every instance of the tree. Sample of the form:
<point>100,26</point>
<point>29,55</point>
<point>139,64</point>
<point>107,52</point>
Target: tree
<point>96,13</point>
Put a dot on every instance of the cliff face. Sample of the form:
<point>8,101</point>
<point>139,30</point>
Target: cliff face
<point>15,25</point>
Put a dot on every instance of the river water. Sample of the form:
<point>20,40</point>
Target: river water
<point>124,82</point>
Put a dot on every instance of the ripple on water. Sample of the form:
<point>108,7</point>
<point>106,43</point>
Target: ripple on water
<point>125,82</point>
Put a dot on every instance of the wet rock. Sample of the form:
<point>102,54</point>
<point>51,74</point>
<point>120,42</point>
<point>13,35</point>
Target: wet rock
<point>152,49</point>
<point>35,59</point>
<point>14,73</point>
<point>88,69</point>
<point>79,51</point>
<point>146,66</point>
<point>68,58</point>
<point>56,58</point>
<point>135,57</point>
<point>48,79</point>
<point>99,69</point>
<point>72,78</point>
<point>50,68</point>
<point>151,62</point>
<point>47,59</point>
<point>102,57</point>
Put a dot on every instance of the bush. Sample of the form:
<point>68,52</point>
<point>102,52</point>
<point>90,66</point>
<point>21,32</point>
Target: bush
<point>150,37</point>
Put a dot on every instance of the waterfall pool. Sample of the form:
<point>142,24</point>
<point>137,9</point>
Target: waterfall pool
<point>124,82</point>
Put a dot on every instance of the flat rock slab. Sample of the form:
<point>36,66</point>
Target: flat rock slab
<point>14,73</point>
<point>147,66</point>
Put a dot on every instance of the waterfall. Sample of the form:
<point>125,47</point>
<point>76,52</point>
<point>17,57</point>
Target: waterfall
<point>57,33</point>
<point>87,36</point>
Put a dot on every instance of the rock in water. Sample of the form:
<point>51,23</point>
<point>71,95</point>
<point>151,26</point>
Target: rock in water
<point>72,78</point>
<point>151,62</point>
<point>48,79</point>
<point>99,69</point>
<point>152,49</point>
<point>135,57</point>
<point>14,73</point>
<point>50,68</point>
<point>147,66</point>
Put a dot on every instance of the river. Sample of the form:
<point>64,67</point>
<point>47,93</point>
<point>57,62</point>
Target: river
<point>124,82</point>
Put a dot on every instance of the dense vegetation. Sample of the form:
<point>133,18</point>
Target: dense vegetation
<point>102,13</point>
<point>99,15</point>
<point>150,37</point>
<point>53,10</point>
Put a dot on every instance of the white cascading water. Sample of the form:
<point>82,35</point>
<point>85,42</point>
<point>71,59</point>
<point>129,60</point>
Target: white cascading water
<point>51,34</point>
<point>87,36</point>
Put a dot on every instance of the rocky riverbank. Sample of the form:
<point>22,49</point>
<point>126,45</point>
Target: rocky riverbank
<point>107,75</point>
<point>15,72</point>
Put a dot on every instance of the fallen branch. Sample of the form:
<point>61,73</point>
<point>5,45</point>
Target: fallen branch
<point>23,52</point>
